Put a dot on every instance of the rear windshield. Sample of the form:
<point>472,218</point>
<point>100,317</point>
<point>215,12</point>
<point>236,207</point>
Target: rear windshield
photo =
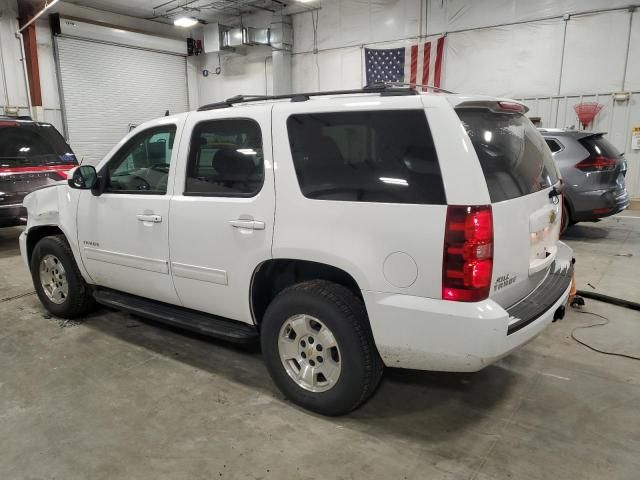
<point>598,146</point>
<point>31,144</point>
<point>513,155</point>
<point>374,156</point>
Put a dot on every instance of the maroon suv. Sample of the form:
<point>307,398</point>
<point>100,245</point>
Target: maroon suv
<point>32,154</point>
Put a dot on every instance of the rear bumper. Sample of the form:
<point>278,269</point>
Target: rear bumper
<point>589,206</point>
<point>431,334</point>
<point>12,214</point>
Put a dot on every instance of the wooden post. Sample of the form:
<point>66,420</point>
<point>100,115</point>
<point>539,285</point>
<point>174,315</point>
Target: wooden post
<point>31,53</point>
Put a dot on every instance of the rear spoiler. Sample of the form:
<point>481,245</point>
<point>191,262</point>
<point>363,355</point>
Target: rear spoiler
<point>497,106</point>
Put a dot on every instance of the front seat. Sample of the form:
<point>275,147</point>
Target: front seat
<point>234,170</point>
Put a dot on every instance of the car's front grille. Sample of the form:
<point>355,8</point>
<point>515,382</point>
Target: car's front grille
<point>542,298</point>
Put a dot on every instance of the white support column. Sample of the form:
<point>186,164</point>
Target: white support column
<point>281,72</point>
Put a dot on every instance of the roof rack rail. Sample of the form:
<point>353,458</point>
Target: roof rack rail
<point>381,88</point>
<point>423,87</point>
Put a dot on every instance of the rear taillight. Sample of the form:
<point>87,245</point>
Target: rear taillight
<point>511,107</point>
<point>467,263</point>
<point>597,164</point>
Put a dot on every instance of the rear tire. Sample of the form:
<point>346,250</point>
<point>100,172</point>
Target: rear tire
<point>330,379</point>
<point>57,280</point>
<point>566,219</point>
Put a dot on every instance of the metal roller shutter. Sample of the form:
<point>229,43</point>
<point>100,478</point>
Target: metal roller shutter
<point>106,88</point>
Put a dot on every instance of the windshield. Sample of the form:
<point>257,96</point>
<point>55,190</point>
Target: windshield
<point>514,157</point>
<point>25,145</point>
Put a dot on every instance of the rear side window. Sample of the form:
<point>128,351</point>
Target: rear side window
<point>598,146</point>
<point>225,159</point>
<point>373,156</point>
<point>553,145</point>
<point>513,155</point>
<point>32,144</point>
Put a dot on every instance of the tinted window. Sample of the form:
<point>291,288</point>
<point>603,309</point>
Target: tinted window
<point>225,159</point>
<point>26,144</point>
<point>142,165</point>
<point>553,145</point>
<point>512,153</point>
<point>383,156</point>
<point>598,146</point>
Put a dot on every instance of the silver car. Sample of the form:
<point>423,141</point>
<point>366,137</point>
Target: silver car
<point>593,172</point>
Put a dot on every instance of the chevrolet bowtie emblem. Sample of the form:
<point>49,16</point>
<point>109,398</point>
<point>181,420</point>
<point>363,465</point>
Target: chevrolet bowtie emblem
<point>552,216</point>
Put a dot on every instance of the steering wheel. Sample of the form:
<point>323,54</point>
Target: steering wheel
<point>143,185</point>
<point>160,167</point>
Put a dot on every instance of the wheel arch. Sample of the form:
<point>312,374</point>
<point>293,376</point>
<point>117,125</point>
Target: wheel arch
<point>37,233</point>
<point>274,275</point>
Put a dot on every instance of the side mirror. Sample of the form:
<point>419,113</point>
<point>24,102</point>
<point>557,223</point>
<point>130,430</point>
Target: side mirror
<point>84,177</point>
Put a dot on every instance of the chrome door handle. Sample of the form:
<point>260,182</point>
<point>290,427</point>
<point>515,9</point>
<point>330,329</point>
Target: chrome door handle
<point>149,218</point>
<point>248,224</point>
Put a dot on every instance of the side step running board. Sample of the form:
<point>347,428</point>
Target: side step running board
<point>203,323</point>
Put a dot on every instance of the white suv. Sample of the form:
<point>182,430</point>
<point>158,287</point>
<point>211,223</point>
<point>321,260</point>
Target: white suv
<point>347,231</point>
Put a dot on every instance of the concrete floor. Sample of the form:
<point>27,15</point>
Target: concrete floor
<point>117,397</point>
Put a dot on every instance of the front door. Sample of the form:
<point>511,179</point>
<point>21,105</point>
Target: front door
<point>222,210</point>
<point>123,234</point>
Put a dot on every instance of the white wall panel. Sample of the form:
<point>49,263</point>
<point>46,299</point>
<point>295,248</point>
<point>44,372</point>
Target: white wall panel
<point>357,22</point>
<point>595,52</point>
<point>338,70</point>
<point>506,61</point>
<point>633,156</point>
<point>10,50</point>
<point>304,72</point>
<point>240,75</point>
<point>452,15</point>
<point>632,82</point>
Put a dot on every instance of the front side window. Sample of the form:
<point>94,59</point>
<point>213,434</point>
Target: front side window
<point>142,165</point>
<point>225,159</point>
<point>373,156</point>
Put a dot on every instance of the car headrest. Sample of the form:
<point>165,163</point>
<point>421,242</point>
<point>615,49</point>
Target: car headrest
<point>233,165</point>
<point>325,152</point>
<point>157,152</point>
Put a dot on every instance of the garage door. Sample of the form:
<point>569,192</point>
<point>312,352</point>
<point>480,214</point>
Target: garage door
<point>107,88</point>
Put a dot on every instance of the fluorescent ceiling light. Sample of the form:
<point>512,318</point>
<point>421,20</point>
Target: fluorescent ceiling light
<point>185,22</point>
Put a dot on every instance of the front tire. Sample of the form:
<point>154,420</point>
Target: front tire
<point>319,348</point>
<point>57,280</point>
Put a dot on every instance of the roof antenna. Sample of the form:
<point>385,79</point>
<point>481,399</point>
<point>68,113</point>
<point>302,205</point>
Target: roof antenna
<point>166,114</point>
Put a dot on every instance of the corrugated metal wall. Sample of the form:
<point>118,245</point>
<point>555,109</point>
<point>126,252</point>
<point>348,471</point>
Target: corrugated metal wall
<point>108,87</point>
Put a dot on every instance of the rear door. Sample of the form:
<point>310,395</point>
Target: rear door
<point>222,211</point>
<point>520,176</point>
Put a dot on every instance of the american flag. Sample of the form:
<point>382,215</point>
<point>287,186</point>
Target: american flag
<point>417,64</point>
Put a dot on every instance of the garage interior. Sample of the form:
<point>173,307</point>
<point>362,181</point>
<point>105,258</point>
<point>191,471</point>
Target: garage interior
<point>117,396</point>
